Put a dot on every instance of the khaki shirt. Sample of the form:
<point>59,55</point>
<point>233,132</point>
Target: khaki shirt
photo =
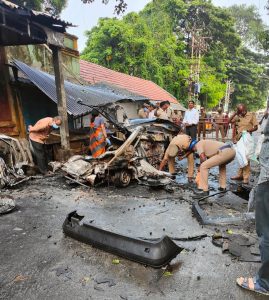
<point>182,141</point>
<point>41,130</point>
<point>162,114</point>
<point>245,123</point>
<point>142,114</point>
<point>208,147</point>
<point>219,119</point>
<point>170,113</point>
<point>202,117</point>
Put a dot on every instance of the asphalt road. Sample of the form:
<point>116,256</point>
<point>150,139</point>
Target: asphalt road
<point>39,262</point>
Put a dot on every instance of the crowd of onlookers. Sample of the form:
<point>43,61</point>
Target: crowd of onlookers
<point>196,122</point>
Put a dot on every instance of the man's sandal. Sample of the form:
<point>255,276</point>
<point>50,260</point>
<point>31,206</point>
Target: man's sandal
<point>251,284</point>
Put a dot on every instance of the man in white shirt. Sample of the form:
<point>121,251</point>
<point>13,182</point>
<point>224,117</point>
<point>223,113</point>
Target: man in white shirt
<point>190,121</point>
<point>152,109</point>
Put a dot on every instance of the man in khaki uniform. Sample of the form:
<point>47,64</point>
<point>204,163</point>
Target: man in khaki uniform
<point>244,121</point>
<point>169,111</point>
<point>161,113</point>
<point>212,154</point>
<point>143,111</point>
<point>219,125</point>
<point>179,144</point>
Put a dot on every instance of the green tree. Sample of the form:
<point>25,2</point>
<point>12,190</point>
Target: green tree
<point>249,25</point>
<point>155,44</point>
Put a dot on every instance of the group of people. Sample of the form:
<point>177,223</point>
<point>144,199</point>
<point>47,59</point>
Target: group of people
<point>160,110</point>
<point>214,153</point>
<point>211,152</point>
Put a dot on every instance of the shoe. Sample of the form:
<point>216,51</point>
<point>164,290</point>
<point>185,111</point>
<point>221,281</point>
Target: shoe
<point>200,194</point>
<point>221,189</point>
<point>237,178</point>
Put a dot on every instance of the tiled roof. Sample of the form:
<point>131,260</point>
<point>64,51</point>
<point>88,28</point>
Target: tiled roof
<point>94,73</point>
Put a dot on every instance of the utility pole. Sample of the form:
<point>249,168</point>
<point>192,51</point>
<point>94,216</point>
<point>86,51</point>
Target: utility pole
<point>227,95</point>
<point>198,47</point>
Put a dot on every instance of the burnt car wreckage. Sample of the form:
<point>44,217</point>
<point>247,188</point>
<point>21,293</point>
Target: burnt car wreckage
<point>15,159</point>
<point>133,155</point>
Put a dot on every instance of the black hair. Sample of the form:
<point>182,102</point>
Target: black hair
<point>191,101</point>
<point>94,114</point>
<point>163,103</point>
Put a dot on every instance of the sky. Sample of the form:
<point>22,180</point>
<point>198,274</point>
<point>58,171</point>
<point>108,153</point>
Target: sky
<point>86,16</point>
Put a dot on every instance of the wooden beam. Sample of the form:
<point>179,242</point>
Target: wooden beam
<point>61,98</point>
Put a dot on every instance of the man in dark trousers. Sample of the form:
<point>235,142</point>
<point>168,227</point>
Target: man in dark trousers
<point>190,121</point>
<point>38,135</point>
<point>260,283</point>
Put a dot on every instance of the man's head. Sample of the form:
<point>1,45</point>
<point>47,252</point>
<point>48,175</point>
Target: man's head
<point>202,109</point>
<point>57,121</point>
<point>151,107</point>
<point>163,105</point>
<point>219,110</point>
<point>168,103</point>
<point>191,104</point>
<point>241,109</point>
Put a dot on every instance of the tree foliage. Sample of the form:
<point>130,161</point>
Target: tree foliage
<point>155,44</point>
<point>120,6</point>
<point>249,24</point>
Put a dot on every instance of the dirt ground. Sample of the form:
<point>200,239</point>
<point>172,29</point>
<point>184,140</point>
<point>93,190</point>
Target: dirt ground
<point>39,262</point>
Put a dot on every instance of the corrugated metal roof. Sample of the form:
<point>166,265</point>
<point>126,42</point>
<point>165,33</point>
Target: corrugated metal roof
<point>54,20</point>
<point>118,90</point>
<point>91,95</point>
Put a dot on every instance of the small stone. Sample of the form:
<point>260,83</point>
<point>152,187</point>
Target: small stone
<point>150,233</point>
<point>198,277</point>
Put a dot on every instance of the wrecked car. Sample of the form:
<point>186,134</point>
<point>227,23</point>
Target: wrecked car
<point>15,157</point>
<point>120,166</point>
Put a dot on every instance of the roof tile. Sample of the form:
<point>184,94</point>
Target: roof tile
<point>94,73</point>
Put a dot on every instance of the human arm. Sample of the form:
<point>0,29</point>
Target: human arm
<point>163,163</point>
<point>230,120</point>
<point>196,118</point>
<point>202,157</point>
<point>254,124</point>
<point>254,128</point>
<point>104,130</point>
<point>186,154</point>
<point>39,126</point>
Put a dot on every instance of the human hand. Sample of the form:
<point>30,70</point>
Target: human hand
<point>30,127</point>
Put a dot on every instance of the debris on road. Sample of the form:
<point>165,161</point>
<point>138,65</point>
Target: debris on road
<point>7,204</point>
<point>155,254</point>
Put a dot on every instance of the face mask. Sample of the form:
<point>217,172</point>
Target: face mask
<point>54,126</point>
